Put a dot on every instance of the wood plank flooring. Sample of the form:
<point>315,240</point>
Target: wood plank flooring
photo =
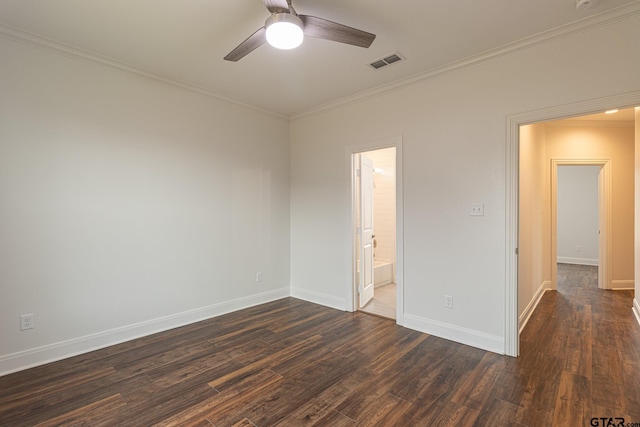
<point>293,363</point>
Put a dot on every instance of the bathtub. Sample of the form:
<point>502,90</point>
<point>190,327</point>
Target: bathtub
<point>382,273</point>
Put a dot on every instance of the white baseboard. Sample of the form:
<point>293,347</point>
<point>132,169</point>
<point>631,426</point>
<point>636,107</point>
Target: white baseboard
<point>319,298</point>
<point>636,309</point>
<point>473,338</point>
<point>526,314</point>
<point>623,285</point>
<point>579,261</point>
<point>52,352</point>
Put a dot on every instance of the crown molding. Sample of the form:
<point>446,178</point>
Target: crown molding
<point>609,17</point>
<point>73,52</point>
<point>590,23</point>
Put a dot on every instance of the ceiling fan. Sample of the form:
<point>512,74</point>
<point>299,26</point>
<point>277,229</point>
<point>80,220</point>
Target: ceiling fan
<point>285,29</point>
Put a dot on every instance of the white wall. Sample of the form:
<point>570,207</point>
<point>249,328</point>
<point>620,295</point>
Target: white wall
<point>578,214</point>
<point>128,205</point>
<point>453,131</point>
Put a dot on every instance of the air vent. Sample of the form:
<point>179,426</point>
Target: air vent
<point>387,60</point>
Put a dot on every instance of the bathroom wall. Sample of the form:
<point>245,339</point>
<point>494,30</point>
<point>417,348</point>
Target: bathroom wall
<point>384,203</point>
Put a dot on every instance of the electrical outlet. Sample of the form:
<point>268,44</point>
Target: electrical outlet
<point>259,276</point>
<point>448,301</point>
<point>578,248</point>
<point>26,322</point>
<point>477,209</point>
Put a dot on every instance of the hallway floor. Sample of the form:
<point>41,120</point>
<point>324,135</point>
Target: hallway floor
<point>579,354</point>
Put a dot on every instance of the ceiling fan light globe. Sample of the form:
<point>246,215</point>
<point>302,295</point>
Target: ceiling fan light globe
<point>284,31</point>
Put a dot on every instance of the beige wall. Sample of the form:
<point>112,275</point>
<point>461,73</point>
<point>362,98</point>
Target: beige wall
<point>570,140</point>
<point>636,304</point>
<point>575,140</point>
<point>534,270</point>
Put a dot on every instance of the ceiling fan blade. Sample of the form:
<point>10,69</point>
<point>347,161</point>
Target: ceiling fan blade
<point>277,6</point>
<point>328,30</point>
<point>254,41</point>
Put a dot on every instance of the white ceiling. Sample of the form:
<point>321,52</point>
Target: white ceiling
<point>185,40</point>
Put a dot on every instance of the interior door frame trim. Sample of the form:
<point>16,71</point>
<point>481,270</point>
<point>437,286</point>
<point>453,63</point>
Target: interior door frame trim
<point>350,152</point>
<point>512,157</point>
<point>604,243</point>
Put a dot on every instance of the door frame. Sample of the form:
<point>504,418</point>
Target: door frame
<point>351,288</point>
<point>605,210</point>
<point>512,157</point>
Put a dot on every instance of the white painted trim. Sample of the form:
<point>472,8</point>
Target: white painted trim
<point>512,162</point>
<point>526,314</point>
<point>605,213</point>
<point>350,150</point>
<point>473,338</point>
<point>351,295</point>
<point>69,51</point>
<point>320,298</point>
<point>61,350</point>
<point>636,309</point>
<point>630,10</point>
<point>577,261</point>
<point>513,123</point>
<point>623,285</point>
<point>399,233</point>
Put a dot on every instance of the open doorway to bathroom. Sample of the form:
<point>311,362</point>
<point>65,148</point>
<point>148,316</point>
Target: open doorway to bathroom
<point>375,222</point>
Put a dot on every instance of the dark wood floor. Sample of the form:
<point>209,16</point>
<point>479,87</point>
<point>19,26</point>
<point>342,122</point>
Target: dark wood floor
<point>292,363</point>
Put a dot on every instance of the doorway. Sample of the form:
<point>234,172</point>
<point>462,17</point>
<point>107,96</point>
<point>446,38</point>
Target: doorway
<point>374,205</point>
<point>513,306</point>
<point>580,216</point>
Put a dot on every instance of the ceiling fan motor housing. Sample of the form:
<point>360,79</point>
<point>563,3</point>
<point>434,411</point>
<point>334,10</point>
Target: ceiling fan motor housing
<point>284,30</point>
